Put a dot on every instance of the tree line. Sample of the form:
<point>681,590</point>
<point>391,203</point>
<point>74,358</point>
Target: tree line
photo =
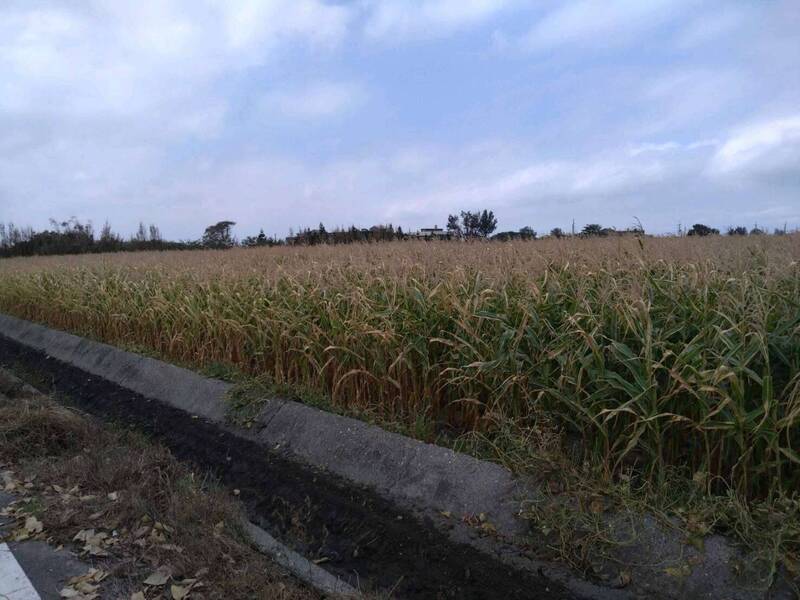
<point>350,235</point>
<point>75,237</point>
<point>701,230</point>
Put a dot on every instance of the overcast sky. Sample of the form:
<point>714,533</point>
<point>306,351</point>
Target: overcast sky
<point>285,113</point>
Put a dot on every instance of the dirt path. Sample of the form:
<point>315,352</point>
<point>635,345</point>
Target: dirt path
<point>351,532</point>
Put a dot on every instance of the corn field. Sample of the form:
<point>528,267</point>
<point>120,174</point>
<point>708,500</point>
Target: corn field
<point>673,352</point>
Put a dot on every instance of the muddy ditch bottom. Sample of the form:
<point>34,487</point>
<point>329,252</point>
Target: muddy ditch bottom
<point>350,531</point>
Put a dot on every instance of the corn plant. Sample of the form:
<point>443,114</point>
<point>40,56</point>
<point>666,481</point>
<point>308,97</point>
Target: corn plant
<point>671,353</point>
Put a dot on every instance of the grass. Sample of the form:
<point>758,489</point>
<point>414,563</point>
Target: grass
<point>653,356</point>
<point>75,476</point>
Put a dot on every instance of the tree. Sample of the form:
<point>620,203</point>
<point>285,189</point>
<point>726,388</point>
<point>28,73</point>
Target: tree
<point>107,236</point>
<point>757,231</point>
<point>470,222</point>
<point>141,233</point>
<point>109,241</point>
<point>739,230</point>
<point>155,234</point>
<point>453,226</point>
<point>592,229</point>
<point>556,232</point>
<point>218,236</point>
<point>257,240</point>
<point>487,223</point>
<point>700,230</point>
<point>527,233</point>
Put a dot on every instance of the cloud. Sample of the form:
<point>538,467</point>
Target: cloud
<point>531,184</point>
<point>417,187</point>
<point>689,98</point>
<point>769,149</point>
<point>605,109</point>
<point>124,58</point>
<point>392,20</point>
<point>99,101</point>
<point>650,147</point>
<point>597,23</point>
<point>314,101</point>
<point>716,23</point>
<point>253,24</point>
<point>669,147</point>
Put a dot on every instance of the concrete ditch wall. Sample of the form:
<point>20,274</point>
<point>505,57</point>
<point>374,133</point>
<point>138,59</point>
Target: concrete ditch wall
<point>413,474</point>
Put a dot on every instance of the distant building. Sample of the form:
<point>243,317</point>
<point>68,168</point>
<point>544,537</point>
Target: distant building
<point>432,233</point>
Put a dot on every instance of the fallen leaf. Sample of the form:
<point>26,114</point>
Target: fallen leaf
<point>138,596</point>
<point>163,527</point>
<point>93,542</point>
<point>83,535</point>
<point>141,531</point>
<point>157,537</point>
<point>86,588</point>
<point>179,592</point>
<point>158,577</point>
<point>80,588</point>
<point>33,525</point>
<point>218,528</point>
<point>93,575</point>
<point>9,481</point>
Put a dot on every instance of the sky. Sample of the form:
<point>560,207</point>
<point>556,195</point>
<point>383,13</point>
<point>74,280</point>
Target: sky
<point>279,114</point>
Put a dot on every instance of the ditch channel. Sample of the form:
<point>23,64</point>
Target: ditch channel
<point>350,531</point>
